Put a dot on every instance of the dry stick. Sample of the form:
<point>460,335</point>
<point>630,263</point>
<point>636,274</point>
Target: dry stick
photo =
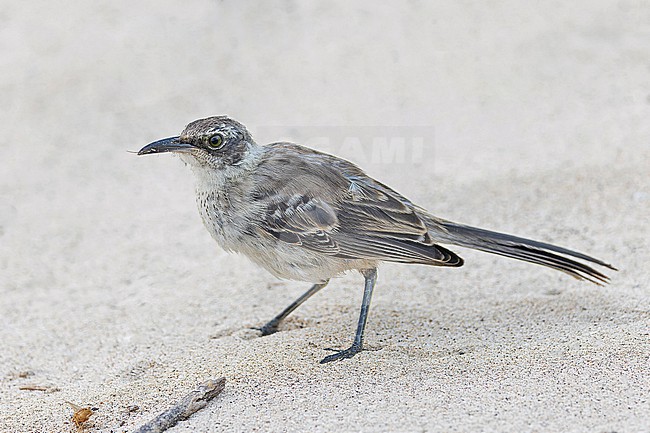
<point>191,403</point>
<point>39,388</point>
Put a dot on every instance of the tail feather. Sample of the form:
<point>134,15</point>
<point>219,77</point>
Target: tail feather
<point>522,249</point>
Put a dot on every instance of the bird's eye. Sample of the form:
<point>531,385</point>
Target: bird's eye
<point>215,141</point>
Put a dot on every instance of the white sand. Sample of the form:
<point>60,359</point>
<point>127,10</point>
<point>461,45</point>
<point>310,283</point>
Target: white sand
<point>536,122</point>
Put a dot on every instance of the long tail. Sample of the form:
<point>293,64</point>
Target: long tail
<point>519,248</point>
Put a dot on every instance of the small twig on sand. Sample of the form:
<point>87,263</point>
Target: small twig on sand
<point>38,388</point>
<point>189,404</point>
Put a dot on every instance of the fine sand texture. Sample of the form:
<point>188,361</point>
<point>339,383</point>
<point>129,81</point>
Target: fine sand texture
<point>531,118</point>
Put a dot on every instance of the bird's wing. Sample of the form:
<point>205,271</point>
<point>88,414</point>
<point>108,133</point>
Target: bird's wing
<point>334,208</point>
<point>302,220</point>
<point>378,222</point>
<point>376,208</point>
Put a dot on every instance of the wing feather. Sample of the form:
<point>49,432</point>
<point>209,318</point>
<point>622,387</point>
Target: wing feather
<point>334,208</point>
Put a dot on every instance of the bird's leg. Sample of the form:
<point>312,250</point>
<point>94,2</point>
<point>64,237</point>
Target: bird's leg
<point>272,326</point>
<point>371,277</point>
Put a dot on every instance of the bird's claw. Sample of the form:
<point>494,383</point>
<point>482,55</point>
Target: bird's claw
<point>268,329</point>
<point>341,354</point>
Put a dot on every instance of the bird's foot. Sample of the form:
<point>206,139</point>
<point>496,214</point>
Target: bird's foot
<point>342,354</point>
<point>268,329</point>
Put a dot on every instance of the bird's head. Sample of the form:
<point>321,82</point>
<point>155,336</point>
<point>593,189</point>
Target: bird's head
<point>217,142</point>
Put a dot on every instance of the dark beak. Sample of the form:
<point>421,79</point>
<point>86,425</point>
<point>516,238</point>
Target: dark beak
<point>171,144</point>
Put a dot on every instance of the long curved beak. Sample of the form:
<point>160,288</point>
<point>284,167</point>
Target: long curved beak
<point>171,144</point>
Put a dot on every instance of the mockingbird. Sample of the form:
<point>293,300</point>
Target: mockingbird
<point>309,216</point>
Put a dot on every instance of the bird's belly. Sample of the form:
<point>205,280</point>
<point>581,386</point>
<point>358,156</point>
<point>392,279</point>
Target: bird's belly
<point>240,234</point>
<point>296,263</point>
<point>279,258</point>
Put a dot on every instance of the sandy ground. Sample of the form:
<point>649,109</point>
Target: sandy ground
<point>527,119</point>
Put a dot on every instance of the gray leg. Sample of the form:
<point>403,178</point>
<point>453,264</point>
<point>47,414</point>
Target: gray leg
<point>371,277</point>
<point>272,326</point>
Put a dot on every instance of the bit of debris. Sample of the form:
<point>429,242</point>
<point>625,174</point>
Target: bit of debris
<point>191,403</point>
<point>20,375</point>
<point>47,389</point>
<point>81,414</point>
